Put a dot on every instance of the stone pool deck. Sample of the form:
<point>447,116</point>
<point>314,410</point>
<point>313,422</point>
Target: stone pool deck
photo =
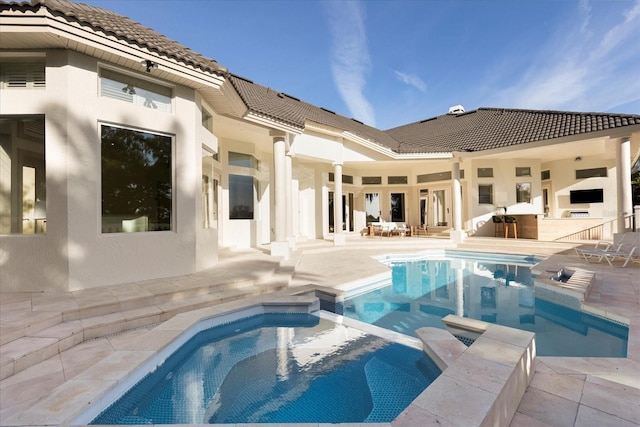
<point>52,343</point>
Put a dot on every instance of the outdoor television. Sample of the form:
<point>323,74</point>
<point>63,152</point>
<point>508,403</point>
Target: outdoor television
<point>595,195</point>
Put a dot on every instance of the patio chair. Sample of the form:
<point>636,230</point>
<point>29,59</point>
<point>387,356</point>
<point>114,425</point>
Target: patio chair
<point>620,251</point>
<point>386,228</point>
<point>624,253</point>
<point>597,251</point>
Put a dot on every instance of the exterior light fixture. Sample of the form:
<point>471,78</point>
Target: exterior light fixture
<point>149,64</point>
<point>577,159</point>
<point>130,89</point>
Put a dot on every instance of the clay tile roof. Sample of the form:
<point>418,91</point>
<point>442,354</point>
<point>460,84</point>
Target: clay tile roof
<point>292,111</point>
<point>489,128</point>
<point>123,28</point>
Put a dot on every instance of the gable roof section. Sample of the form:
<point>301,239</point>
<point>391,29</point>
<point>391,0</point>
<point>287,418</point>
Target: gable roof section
<point>126,29</point>
<point>278,106</point>
<point>491,128</point>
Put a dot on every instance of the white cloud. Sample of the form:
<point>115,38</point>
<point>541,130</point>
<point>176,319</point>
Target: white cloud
<point>586,65</point>
<point>411,80</point>
<point>350,62</point>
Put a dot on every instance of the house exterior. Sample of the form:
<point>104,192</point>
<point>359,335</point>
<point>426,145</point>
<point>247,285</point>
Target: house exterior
<point>126,156</point>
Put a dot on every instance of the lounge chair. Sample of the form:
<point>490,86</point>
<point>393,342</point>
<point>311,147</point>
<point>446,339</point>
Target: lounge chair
<point>624,253</point>
<point>621,251</point>
<point>600,247</point>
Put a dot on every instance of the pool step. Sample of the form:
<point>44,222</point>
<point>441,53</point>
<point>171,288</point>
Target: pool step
<point>54,333</point>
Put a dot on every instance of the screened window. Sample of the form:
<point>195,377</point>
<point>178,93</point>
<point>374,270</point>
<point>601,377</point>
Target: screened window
<point>23,190</point>
<point>396,180</point>
<point>241,196</point>
<point>433,177</point>
<point>485,172</point>
<point>209,191</point>
<point>485,194</point>
<point>243,160</point>
<point>591,173</point>
<point>371,180</point>
<point>134,90</point>
<point>346,179</point>
<point>137,181</point>
<point>523,192</point>
<point>545,175</point>
<point>523,171</point>
<point>22,73</point>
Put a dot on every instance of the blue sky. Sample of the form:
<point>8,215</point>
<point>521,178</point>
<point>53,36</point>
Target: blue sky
<point>389,63</point>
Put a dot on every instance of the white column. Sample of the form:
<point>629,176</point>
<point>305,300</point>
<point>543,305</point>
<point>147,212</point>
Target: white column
<point>338,235</point>
<point>623,177</point>
<point>458,234</point>
<point>279,247</point>
<point>289,200</point>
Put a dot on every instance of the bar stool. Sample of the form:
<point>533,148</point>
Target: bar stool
<point>510,221</point>
<point>497,223</point>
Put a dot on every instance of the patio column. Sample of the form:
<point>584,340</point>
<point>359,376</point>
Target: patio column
<point>279,247</point>
<point>289,200</point>
<point>623,178</point>
<point>458,235</point>
<point>338,235</point>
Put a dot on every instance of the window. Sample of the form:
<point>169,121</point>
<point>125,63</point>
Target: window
<point>523,192</point>
<point>396,180</point>
<point>523,171</point>
<point>241,196</point>
<point>485,194</point>
<point>137,181</point>
<point>371,180</point>
<point>207,120</point>
<point>432,177</point>
<point>209,191</point>
<point>591,173</point>
<point>22,73</point>
<point>134,90</point>
<point>545,175</point>
<point>397,207</point>
<point>346,179</point>
<point>372,207</point>
<point>243,160</point>
<point>23,190</point>
<point>485,172</point>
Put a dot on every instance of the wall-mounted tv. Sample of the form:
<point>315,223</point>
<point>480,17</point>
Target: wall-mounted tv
<point>594,195</point>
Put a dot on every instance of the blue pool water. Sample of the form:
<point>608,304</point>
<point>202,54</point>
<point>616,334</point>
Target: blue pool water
<point>499,291</point>
<point>278,368</point>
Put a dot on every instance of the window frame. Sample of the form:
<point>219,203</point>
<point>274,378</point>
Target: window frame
<point>172,174</point>
<point>520,192</point>
<point>490,195</point>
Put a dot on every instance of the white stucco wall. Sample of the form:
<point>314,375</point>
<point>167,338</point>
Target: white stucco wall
<point>563,179</point>
<point>74,112</point>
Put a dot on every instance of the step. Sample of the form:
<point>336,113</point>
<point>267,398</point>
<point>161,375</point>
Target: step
<point>38,345</point>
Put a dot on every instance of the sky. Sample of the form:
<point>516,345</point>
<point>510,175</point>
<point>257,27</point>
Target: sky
<point>390,63</point>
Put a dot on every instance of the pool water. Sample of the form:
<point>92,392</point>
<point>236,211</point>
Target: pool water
<point>278,368</point>
<point>501,291</point>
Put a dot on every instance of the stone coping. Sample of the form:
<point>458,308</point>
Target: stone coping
<point>488,379</point>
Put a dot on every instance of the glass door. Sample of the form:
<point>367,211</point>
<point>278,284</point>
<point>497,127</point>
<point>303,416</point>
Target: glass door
<point>424,207</point>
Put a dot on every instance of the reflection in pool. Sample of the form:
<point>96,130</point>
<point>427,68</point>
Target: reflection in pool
<point>500,291</point>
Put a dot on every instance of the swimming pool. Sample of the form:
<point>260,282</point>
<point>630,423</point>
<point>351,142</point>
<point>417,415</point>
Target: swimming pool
<point>497,290</point>
<point>278,368</point>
